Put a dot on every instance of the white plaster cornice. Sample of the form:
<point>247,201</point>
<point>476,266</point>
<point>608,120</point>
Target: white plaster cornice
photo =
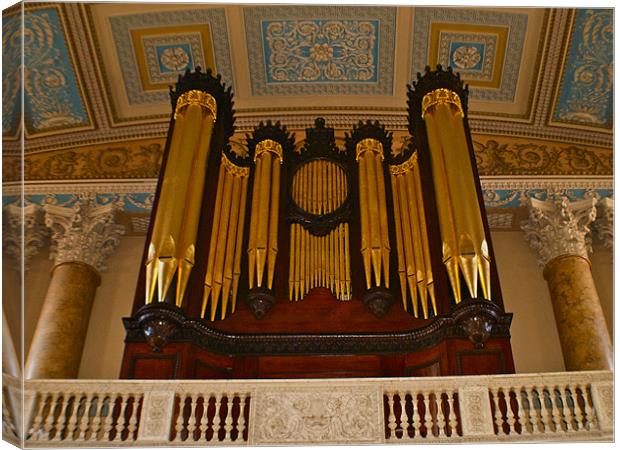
<point>558,227</point>
<point>33,235</point>
<point>85,232</point>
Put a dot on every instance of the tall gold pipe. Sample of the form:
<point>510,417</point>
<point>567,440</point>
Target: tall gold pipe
<point>341,259</point>
<point>430,286</point>
<point>238,246</point>
<point>400,248</point>
<point>220,249</point>
<point>264,214</point>
<point>347,261</point>
<point>230,244</point>
<point>213,241</point>
<point>254,212</point>
<point>444,208</point>
<point>443,106</point>
<point>417,241</point>
<point>291,266</point>
<point>176,221</point>
<point>385,238</point>
<point>365,222</point>
<point>273,221</point>
<point>410,262</point>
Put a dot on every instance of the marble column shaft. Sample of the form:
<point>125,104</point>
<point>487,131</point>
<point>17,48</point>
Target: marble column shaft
<point>58,341</point>
<point>578,314</point>
<point>82,237</point>
<point>558,230</point>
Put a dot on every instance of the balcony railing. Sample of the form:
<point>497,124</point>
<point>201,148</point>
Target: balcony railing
<point>575,406</point>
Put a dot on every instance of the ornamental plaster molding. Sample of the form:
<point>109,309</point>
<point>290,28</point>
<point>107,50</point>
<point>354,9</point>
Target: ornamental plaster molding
<point>84,232</point>
<point>603,226</point>
<point>558,227</point>
<point>33,235</point>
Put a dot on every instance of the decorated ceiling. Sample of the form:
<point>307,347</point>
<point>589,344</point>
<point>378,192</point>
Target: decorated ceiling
<point>96,82</point>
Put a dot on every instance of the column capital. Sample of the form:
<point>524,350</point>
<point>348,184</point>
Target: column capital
<point>603,226</point>
<point>34,235</point>
<point>558,227</point>
<point>85,232</point>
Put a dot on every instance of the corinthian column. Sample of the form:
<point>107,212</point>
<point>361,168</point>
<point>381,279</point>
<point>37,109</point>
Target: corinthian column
<point>558,230</point>
<point>604,224</point>
<point>82,237</point>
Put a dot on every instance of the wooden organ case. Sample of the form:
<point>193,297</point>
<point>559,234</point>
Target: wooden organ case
<point>285,259</point>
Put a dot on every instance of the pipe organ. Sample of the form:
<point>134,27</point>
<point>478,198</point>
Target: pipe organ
<point>331,255</point>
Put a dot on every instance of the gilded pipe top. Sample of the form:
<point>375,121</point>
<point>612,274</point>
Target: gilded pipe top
<point>441,96</point>
<point>233,169</point>
<point>406,166</point>
<point>268,145</point>
<point>196,97</point>
<point>368,145</point>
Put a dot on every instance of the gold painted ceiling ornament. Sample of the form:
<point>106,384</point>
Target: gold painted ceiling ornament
<point>406,166</point>
<point>268,145</point>
<point>368,145</point>
<point>439,96</point>
<point>197,97</point>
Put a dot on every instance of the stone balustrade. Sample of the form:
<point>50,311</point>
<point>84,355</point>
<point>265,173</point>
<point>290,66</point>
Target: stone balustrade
<point>575,406</point>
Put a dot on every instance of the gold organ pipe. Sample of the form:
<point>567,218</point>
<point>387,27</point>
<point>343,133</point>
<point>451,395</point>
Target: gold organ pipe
<point>444,209</point>
<point>443,106</point>
<point>347,262</point>
<point>413,248</point>
<point>172,246</point>
<point>400,248</point>
<point>213,240</point>
<point>262,246</point>
<point>240,227</point>
<point>369,154</point>
<point>224,257</point>
<point>408,241</point>
<point>430,286</point>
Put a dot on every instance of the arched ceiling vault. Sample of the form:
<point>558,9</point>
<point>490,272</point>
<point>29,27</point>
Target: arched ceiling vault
<point>97,76</point>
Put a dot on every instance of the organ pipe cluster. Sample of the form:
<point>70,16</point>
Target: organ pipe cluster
<point>375,241</point>
<point>224,259</point>
<point>414,260</point>
<point>171,250</point>
<point>263,241</point>
<point>464,246</point>
<point>319,187</point>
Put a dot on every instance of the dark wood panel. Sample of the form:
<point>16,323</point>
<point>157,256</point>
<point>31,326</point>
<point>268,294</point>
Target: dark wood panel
<point>153,367</point>
<point>480,362</point>
<point>319,366</point>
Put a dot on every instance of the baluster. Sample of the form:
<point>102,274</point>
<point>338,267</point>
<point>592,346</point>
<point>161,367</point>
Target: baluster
<point>7,417</point>
<point>428,416</point>
<point>511,418</point>
<point>579,414</point>
<point>108,420</point>
<point>191,419</point>
<point>592,419</point>
<point>452,415</point>
<point>555,413</point>
<point>133,419</point>
<point>91,424</point>
<point>71,423</point>
<point>415,415</point>
<point>241,419</point>
<point>228,418</point>
<point>122,417</point>
<point>522,419</point>
<point>441,419</point>
<point>497,413</point>
<point>548,408</point>
<point>48,420</point>
<point>540,422</point>
<point>204,420</point>
<point>217,421</point>
<point>180,418</point>
<point>60,422</point>
<point>571,425</point>
<point>404,420</point>
<point>80,429</point>
<point>391,416</point>
<point>561,407</point>
<point>37,420</point>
